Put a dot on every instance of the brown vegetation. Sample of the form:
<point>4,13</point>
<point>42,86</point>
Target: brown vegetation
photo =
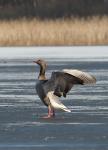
<point>74,31</point>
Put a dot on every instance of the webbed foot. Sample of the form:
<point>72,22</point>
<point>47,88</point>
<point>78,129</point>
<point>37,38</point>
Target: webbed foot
<point>51,113</point>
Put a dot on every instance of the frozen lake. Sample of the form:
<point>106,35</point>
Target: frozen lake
<point>21,125</point>
<point>54,52</point>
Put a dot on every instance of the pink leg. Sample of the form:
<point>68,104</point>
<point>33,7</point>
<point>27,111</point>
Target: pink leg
<point>51,113</point>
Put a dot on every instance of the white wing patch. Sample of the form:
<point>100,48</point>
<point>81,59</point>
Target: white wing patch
<point>55,102</point>
<point>86,77</point>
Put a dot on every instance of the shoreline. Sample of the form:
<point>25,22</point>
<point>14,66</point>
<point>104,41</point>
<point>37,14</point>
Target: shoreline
<point>54,52</point>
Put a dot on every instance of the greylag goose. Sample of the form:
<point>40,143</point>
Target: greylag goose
<point>60,83</point>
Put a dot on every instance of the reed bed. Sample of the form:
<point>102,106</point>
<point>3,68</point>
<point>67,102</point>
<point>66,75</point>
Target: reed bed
<point>35,32</point>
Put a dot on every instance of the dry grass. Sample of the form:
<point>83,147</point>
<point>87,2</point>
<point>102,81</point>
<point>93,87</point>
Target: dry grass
<point>91,31</point>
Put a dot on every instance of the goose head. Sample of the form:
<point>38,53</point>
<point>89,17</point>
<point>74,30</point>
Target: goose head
<point>43,66</point>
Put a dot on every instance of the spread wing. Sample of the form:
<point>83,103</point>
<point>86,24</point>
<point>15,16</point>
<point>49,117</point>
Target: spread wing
<point>84,76</point>
<point>61,83</point>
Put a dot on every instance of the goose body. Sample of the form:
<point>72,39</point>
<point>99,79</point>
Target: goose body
<point>59,85</point>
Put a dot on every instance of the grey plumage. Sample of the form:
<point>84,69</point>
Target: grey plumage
<point>40,90</point>
<point>59,85</point>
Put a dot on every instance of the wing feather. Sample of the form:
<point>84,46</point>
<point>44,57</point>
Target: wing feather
<point>62,82</point>
<point>85,77</point>
<point>55,102</point>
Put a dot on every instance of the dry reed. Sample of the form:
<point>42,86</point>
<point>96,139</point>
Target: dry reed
<point>74,31</point>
